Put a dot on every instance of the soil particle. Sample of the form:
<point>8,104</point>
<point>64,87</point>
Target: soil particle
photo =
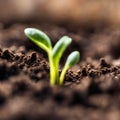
<point>7,70</point>
<point>7,55</point>
<point>103,63</point>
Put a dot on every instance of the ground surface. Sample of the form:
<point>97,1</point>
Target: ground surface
<point>92,87</point>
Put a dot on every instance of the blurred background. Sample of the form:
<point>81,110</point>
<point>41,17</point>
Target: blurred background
<point>92,24</point>
<point>82,12</point>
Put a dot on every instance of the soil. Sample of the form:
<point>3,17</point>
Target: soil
<point>92,87</point>
<point>91,90</point>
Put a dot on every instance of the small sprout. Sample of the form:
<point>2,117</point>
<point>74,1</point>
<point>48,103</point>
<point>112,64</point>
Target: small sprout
<point>54,53</point>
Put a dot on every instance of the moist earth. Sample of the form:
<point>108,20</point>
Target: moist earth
<point>92,87</point>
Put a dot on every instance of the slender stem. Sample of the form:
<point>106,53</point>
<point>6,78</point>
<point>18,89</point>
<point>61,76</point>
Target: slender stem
<point>54,74</point>
<point>62,76</point>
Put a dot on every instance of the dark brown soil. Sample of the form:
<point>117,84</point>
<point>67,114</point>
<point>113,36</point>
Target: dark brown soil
<point>91,90</point>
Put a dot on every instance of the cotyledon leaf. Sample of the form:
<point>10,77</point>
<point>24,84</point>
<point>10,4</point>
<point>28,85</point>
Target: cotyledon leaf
<point>39,37</point>
<point>60,47</point>
<point>73,59</point>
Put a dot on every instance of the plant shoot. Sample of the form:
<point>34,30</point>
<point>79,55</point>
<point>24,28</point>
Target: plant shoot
<point>54,53</point>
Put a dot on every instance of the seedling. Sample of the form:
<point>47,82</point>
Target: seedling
<point>54,53</point>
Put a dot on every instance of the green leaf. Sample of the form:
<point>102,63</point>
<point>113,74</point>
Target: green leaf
<point>60,47</point>
<point>39,38</point>
<point>72,59</point>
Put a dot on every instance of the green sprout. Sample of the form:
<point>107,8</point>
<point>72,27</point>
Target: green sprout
<point>54,53</point>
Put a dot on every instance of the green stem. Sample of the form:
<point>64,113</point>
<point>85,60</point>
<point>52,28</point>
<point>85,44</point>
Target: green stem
<point>62,76</point>
<point>54,74</point>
